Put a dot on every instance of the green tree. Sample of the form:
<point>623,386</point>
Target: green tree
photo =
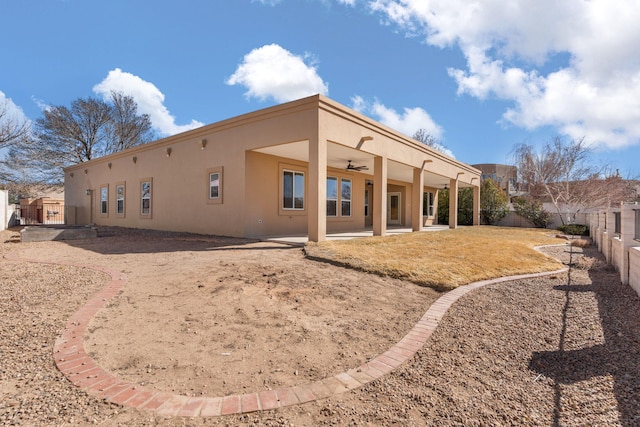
<point>494,203</point>
<point>532,209</point>
<point>465,206</point>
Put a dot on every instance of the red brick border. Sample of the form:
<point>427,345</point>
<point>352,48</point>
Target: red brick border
<point>73,361</point>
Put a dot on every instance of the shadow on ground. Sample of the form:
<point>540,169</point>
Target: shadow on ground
<point>618,357</point>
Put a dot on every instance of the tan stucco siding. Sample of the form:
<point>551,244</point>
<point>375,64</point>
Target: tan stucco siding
<point>314,136</point>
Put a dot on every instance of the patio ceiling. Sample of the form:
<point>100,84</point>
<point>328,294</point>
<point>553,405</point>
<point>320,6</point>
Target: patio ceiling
<point>338,157</point>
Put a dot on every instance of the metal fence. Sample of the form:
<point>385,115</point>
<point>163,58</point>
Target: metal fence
<point>40,214</point>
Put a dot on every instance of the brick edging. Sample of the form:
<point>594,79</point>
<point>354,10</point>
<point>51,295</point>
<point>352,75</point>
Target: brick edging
<point>73,361</point>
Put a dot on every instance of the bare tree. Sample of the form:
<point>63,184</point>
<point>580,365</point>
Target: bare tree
<point>562,173</point>
<point>63,136</point>
<point>429,140</point>
<point>12,128</point>
<point>129,127</point>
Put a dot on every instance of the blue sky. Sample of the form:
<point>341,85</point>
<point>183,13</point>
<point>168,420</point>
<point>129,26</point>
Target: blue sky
<point>481,76</point>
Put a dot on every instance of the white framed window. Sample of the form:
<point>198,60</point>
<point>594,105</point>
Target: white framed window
<point>345,197</point>
<point>292,190</point>
<point>338,196</point>
<point>120,193</point>
<point>104,200</point>
<point>427,203</point>
<point>214,185</point>
<point>145,197</point>
<point>332,196</point>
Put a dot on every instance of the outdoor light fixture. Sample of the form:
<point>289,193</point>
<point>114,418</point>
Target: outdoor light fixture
<point>169,152</point>
<point>71,174</point>
<point>109,165</point>
<point>86,171</point>
<point>203,144</point>
<point>88,191</point>
<point>135,159</point>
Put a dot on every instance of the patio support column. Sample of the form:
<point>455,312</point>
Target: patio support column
<point>317,185</point>
<point>380,196</point>
<point>453,203</point>
<point>416,202</point>
<point>476,205</point>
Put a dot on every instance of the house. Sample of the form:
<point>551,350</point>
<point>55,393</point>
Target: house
<point>506,176</point>
<point>306,167</point>
<point>46,208</point>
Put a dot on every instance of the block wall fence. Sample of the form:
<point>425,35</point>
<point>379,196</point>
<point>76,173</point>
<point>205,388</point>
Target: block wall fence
<point>616,233</point>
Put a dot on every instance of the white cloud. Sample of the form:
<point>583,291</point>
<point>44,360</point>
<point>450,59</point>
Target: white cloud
<point>273,72</point>
<point>12,112</point>
<point>148,97</point>
<point>595,94</point>
<point>408,122</point>
<point>347,2</point>
<point>268,2</point>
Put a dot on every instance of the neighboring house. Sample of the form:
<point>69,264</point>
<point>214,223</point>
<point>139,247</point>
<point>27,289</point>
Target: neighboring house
<point>44,209</point>
<point>505,175</point>
<point>307,167</point>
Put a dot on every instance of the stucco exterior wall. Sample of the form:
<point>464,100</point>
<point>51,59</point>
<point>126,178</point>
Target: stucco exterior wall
<point>4,209</point>
<point>250,153</point>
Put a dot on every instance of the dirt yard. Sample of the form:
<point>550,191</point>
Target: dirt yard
<point>210,316</point>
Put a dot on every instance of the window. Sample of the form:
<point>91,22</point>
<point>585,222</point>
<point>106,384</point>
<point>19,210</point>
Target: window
<point>637,221</point>
<point>120,199</point>
<point>145,198</point>
<point>345,195</point>
<point>335,199</point>
<point>292,190</point>
<point>332,196</point>
<point>427,204</point>
<point>214,185</point>
<point>104,200</point>
<point>617,220</point>
<point>366,202</point>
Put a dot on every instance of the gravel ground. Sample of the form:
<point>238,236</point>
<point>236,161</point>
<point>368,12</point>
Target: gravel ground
<point>561,350</point>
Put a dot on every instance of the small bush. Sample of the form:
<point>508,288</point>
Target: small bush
<point>574,229</point>
<point>581,243</point>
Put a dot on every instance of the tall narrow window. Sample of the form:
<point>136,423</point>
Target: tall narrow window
<point>145,198</point>
<point>637,221</point>
<point>617,218</point>
<point>104,200</point>
<point>292,190</point>
<point>120,199</point>
<point>427,204</point>
<point>366,202</point>
<point>214,185</point>
<point>332,196</point>
<point>345,195</point>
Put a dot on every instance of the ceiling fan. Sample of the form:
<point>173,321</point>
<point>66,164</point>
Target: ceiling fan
<point>351,167</point>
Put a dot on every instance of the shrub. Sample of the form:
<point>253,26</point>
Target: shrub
<point>574,229</point>
<point>581,243</point>
<point>532,210</point>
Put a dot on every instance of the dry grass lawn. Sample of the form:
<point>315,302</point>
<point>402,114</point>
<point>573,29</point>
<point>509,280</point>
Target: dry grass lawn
<point>445,259</point>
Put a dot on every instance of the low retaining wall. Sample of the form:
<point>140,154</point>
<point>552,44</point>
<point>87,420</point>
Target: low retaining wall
<point>46,233</point>
<point>616,232</point>
<point>634,269</point>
